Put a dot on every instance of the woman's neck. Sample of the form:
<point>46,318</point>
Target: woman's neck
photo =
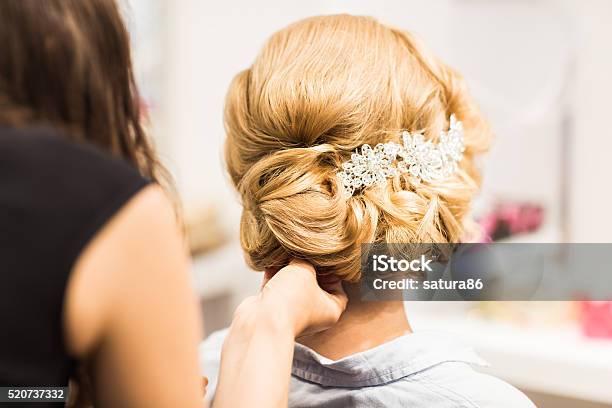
<point>362,326</point>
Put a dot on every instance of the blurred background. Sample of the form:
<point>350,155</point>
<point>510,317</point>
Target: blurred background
<point>541,72</point>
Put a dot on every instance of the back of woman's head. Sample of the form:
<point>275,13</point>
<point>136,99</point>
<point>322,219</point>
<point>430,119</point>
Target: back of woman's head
<point>318,90</point>
<point>66,63</point>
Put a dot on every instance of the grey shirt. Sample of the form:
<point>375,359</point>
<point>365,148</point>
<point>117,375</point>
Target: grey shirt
<point>422,369</point>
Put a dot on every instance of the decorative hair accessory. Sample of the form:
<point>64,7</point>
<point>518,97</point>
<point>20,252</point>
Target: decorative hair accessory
<point>422,159</point>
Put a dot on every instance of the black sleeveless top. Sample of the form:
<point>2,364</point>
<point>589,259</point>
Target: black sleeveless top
<point>54,196</point>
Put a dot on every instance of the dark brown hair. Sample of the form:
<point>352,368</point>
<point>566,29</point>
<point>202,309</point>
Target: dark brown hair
<point>66,63</point>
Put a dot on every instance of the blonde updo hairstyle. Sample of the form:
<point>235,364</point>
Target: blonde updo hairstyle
<point>319,89</point>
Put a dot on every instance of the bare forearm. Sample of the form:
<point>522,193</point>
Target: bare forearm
<point>256,360</point>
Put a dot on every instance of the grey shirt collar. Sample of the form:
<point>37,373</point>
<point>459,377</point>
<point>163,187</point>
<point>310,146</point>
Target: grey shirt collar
<point>391,361</point>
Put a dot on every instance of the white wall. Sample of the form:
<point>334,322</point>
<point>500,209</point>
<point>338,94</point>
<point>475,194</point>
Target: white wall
<point>591,178</point>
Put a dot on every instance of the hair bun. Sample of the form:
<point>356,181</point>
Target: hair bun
<point>299,112</point>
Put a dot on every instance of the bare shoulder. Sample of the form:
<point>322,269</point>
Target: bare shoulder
<point>112,259</point>
<point>131,310</point>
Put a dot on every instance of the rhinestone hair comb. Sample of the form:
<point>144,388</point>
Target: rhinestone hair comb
<point>421,159</point>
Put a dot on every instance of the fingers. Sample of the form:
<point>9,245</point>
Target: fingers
<point>318,300</point>
<point>336,290</point>
<point>204,385</point>
<point>338,296</point>
<point>333,286</point>
<point>268,274</point>
<point>298,265</point>
<point>327,279</point>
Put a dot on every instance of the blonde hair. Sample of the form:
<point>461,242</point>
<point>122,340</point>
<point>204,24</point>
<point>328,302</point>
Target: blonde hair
<point>319,89</point>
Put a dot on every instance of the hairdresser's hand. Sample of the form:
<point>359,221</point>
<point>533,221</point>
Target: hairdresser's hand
<point>309,304</point>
